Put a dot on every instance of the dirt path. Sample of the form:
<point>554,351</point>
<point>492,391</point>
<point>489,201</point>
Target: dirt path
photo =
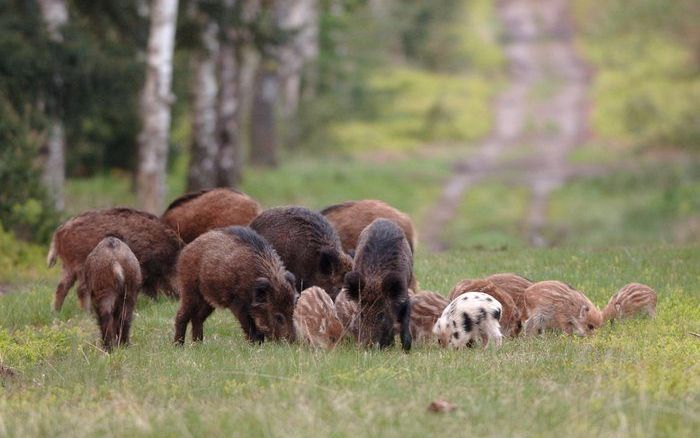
<point>544,107</point>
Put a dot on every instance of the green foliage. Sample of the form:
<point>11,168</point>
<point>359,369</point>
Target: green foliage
<point>20,261</point>
<point>637,378</point>
<point>646,55</point>
<point>378,93</point>
<point>25,207</point>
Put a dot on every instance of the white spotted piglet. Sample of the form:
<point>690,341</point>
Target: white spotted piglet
<point>471,316</point>
<point>315,319</point>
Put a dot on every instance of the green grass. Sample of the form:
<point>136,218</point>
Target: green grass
<point>638,378</point>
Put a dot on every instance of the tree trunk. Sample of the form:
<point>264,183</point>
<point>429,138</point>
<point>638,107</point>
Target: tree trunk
<point>300,19</point>
<point>229,161</point>
<point>263,137</point>
<point>205,88</point>
<point>156,100</point>
<point>55,15</point>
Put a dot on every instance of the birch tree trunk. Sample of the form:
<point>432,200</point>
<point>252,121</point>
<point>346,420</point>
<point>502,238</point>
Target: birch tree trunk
<point>263,136</point>
<point>229,160</point>
<point>156,100</point>
<point>55,15</point>
<point>204,148</point>
<point>300,19</point>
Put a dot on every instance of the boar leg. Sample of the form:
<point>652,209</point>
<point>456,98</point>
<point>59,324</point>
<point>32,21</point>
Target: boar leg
<point>106,322</point>
<point>200,315</point>
<point>122,314</point>
<point>83,296</point>
<point>67,280</point>
<point>184,315</point>
<point>404,317</point>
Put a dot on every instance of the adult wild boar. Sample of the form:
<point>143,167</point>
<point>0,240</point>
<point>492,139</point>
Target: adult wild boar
<point>351,217</point>
<point>196,213</point>
<point>308,246</point>
<point>378,283</point>
<point>234,268</point>
<point>155,246</point>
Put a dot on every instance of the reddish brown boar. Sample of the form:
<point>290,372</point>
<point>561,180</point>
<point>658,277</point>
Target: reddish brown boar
<point>351,217</point>
<point>556,305</point>
<point>514,285</point>
<point>511,322</point>
<point>378,283</point>
<point>308,246</point>
<point>347,311</point>
<point>315,319</point>
<point>426,308</point>
<point>111,276</point>
<point>234,268</point>
<point>198,212</point>
<point>155,246</point>
<point>631,299</point>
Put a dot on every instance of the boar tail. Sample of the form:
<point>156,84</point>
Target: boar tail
<point>51,256</point>
<point>118,272</point>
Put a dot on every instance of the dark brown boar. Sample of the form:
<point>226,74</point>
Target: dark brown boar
<point>511,321</point>
<point>236,269</point>
<point>351,217</point>
<point>196,213</point>
<point>155,246</point>
<point>514,285</point>
<point>308,246</point>
<point>378,283</point>
<point>111,276</point>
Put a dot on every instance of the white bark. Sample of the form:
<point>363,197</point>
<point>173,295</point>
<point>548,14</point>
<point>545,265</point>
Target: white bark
<point>205,144</point>
<point>300,18</point>
<point>156,100</point>
<point>55,15</point>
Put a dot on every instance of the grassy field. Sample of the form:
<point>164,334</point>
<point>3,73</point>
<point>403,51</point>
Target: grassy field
<point>637,378</point>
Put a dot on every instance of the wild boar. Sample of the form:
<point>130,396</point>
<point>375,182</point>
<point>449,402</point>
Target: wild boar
<point>308,246</point>
<point>510,321</point>
<point>155,246</point>
<point>426,308</point>
<point>348,312</point>
<point>556,305</point>
<point>236,269</point>
<point>470,316</point>
<point>351,217</point>
<point>196,213</point>
<point>514,285</point>
<point>315,319</point>
<point>378,283</point>
<point>631,299</point>
<point>111,276</point>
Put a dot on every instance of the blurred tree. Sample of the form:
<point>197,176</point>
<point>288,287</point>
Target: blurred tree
<point>55,16</point>
<point>204,148</point>
<point>156,100</point>
<point>263,130</point>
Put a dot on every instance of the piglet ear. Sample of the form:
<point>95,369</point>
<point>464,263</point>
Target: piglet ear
<point>393,285</point>
<point>352,284</point>
<point>328,260</point>
<point>261,288</point>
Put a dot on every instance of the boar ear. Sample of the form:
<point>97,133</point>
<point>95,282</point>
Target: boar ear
<point>582,312</point>
<point>352,284</point>
<point>291,279</point>
<point>393,285</point>
<point>328,260</point>
<point>260,290</point>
